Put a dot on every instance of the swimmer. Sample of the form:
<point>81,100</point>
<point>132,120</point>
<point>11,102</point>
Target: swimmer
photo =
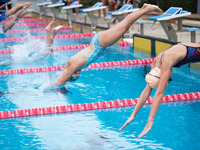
<point>160,76</point>
<point>35,55</point>
<point>98,45</point>
<point>18,10</point>
<point>50,38</point>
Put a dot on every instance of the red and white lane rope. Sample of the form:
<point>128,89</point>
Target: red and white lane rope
<point>30,24</point>
<point>25,20</point>
<point>77,35</point>
<point>25,17</point>
<point>93,65</point>
<point>36,30</point>
<point>58,48</point>
<point>93,106</point>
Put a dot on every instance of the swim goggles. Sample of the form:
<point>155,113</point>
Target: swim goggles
<point>169,80</point>
<point>74,77</point>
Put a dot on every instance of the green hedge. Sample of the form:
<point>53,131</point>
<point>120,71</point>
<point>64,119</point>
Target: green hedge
<point>189,5</point>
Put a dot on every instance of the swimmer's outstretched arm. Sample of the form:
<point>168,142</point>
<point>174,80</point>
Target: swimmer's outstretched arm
<point>18,15</point>
<point>142,99</point>
<point>6,63</point>
<point>64,77</point>
<point>2,6</point>
<point>67,72</point>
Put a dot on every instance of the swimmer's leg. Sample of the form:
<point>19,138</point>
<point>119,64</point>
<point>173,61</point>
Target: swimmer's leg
<point>49,38</point>
<point>48,31</point>
<point>16,8</point>
<point>55,30</point>
<point>6,63</point>
<point>25,13</point>
<point>9,24</point>
<point>112,35</point>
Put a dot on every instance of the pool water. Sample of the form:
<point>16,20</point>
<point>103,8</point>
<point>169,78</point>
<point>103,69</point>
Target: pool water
<point>176,125</point>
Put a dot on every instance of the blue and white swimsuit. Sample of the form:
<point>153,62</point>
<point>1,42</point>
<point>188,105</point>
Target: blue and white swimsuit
<point>96,53</point>
<point>3,16</point>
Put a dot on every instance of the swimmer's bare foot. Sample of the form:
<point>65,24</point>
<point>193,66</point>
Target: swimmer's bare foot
<point>28,4</point>
<point>25,7</point>
<point>56,29</point>
<point>28,11</point>
<point>48,28</point>
<point>150,7</point>
<point>144,5</point>
<point>25,13</point>
<point>9,3</point>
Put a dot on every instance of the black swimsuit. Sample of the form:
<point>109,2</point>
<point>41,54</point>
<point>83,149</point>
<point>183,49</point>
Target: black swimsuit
<point>193,55</point>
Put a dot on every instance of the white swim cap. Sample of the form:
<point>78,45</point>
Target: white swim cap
<point>153,77</point>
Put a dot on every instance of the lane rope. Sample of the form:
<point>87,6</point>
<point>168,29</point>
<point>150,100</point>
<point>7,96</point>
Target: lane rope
<point>91,66</point>
<point>30,24</point>
<point>36,30</point>
<point>58,48</point>
<point>25,17</point>
<point>93,106</point>
<point>24,20</point>
<point>76,35</point>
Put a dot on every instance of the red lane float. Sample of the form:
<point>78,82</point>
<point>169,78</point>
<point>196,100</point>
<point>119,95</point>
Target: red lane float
<point>77,35</point>
<point>124,43</point>
<point>93,106</point>
<point>36,30</point>
<point>93,65</point>
<point>30,24</point>
<point>71,47</point>
<point>25,17</point>
<point>25,20</point>
<point>58,48</point>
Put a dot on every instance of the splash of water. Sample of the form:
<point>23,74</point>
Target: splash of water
<point>29,50</point>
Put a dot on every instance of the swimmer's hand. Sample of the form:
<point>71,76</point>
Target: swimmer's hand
<point>49,87</point>
<point>127,122</point>
<point>43,87</point>
<point>37,86</point>
<point>9,3</point>
<point>147,128</point>
<point>4,64</point>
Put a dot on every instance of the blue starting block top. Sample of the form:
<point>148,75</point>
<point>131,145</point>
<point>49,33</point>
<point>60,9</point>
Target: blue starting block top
<point>46,2</point>
<point>122,9</point>
<point>73,5</point>
<point>192,29</point>
<point>141,22</point>
<point>57,4</point>
<point>132,10</point>
<point>96,6</point>
<point>108,17</point>
<point>171,13</point>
